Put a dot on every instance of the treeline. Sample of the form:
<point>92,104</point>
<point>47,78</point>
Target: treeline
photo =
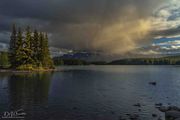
<point>62,61</point>
<point>173,60</point>
<point>148,61</point>
<point>65,61</point>
<point>29,50</point>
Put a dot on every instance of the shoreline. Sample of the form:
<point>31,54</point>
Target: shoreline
<point>7,70</point>
<point>26,71</point>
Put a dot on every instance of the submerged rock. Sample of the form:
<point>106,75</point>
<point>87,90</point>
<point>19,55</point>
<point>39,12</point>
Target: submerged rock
<point>158,104</point>
<point>121,118</point>
<point>74,108</point>
<point>112,112</point>
<point>154,115</point>
<point>134,117</point>
<point>152,83</point>
<point>174,108</point>
<point>159,118</point>
<point>163,108</point>
<point>137,105</point>
<point>168,108</point>
<point>172,114</point>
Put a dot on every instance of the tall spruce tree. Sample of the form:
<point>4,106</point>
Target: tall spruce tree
<point>19,54</point>
<point>49,62</point>
<point>27,48</point>
<point>41,48</point>
<point>36,46</point>
<point>45,58</point>
<point>12,46</point>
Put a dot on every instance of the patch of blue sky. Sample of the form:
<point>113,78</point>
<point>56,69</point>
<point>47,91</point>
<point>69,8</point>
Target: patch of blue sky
<point>161,40</point>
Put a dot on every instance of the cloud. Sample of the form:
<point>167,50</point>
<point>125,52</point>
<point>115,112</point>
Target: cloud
<point>168,45</point>
<point>166,20</point>
<point>4,37</point>
<point>149,52</point>
<point>114,26</point>
<point>120,38</point>
<point>3,47</point>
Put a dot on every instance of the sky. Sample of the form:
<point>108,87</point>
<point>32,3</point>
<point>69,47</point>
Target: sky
<point>110,26</point>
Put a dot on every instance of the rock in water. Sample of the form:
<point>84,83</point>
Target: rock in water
<point>154,115</point>
<point>172,114</point>
<point>153,83</point>
<point>163,108</point>
<point>174,108</point>
<point>134,117</point>
<point>158,104</point>
<point>137,105</point>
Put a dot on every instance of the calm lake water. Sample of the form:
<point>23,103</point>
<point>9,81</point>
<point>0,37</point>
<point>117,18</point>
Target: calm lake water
<point>90,92</point>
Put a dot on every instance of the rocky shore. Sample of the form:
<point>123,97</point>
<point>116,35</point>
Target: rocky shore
<point>170,112</point>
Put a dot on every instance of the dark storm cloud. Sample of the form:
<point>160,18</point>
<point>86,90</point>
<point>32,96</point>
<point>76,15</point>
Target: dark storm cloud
<point>167,32</point>
<point>69,10</point>
<point>76,23</point>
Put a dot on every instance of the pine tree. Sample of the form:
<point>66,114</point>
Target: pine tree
<point>28,48</point>
<point>12,46</point>
<point>28,38</point>
<point>19,54</point>
<point>45,58</point>
<point>13,38</point>
<point>36,46</point>
<point>41,49</point>
<point>49,62</point>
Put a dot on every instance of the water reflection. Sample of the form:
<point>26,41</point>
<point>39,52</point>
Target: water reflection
<point>26,90</point>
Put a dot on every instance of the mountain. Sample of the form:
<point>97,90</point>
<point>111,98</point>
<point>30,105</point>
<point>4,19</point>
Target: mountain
<point>84,55</point>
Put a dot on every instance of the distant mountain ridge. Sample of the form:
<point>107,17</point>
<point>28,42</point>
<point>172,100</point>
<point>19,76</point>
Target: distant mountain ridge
<point>168,60</point>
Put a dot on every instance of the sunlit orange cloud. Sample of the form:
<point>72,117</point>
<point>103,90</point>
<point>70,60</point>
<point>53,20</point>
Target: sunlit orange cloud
<point>124,35</point>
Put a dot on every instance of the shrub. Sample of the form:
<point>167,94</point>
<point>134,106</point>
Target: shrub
<point>28,67</point>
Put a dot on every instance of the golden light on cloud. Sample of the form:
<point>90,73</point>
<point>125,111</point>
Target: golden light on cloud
<point>123,36</point>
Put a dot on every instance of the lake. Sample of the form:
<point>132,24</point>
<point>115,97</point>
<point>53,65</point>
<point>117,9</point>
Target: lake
<point>90,92</point>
